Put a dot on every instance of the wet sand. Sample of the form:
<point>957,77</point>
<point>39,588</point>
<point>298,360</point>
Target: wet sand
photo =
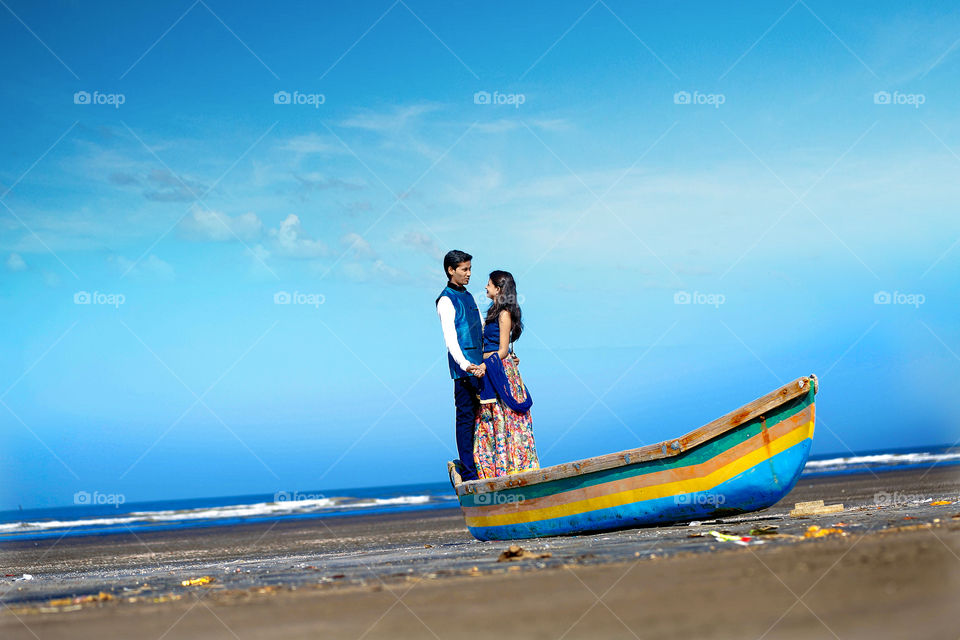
<point>891,570</point>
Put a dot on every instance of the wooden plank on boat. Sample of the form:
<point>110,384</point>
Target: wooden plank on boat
<point>657,451</point>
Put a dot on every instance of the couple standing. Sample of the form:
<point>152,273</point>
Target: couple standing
<point>494,427</point>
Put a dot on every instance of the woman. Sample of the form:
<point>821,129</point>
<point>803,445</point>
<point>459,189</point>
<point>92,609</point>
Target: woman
<point>503,437</point>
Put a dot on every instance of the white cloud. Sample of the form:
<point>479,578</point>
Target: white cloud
<point>398,129</point>
<point>51,279</point>
<point>315,181</point>
<point>208,225</point>
<point>290,240</point>
<point>422,242</point>
<point>357,243</point>
<point>396,120</point>
<point>15,262</point>
<point>259,253</point>
<point>509,124</point>
<point>378,271</point>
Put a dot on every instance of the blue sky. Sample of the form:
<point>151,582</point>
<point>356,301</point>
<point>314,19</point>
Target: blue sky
<point>782,166</point>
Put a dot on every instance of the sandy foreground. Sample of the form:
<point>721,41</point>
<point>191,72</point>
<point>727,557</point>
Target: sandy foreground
<point>890,570</point>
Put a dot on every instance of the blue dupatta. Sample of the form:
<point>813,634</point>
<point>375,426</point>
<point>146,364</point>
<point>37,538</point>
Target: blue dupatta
<point>497,385</point>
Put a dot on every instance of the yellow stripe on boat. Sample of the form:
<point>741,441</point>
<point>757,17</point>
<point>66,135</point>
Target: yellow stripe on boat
<point>680,487</point>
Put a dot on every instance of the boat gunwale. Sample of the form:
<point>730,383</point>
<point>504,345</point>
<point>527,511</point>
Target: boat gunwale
<point>658,451</point>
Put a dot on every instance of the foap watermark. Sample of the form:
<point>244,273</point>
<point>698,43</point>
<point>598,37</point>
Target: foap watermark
<point>85,498</point>
<point>711,299</point>
<point>98,297</point>
<point>298,297</point>
<point>481,299</point>
<point>311,99</point>
<point>895,499</point>
<point>700,499</point>
<point>487,499</point>
<point>112,99</point>
<point>712,99</point>
<point>497,98</point>
<point>911,99</point>
<point>898,297</point>
<point>296,496</point>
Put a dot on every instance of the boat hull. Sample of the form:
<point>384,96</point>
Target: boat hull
<point>749,467</point>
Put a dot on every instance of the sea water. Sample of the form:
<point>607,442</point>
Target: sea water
<point>101,519</point>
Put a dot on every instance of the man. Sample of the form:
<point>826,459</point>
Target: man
<point>462,327</point>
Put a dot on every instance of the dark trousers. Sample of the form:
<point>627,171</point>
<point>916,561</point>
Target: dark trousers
<point>465,392</point>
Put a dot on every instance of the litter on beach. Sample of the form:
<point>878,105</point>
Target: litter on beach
<point>813,531</point>
<point>735,539</point>
<point>814,508</point>
<point>764,530</point>
<point>102,596</point>
<point>196,582</point>
<point>515,552</point>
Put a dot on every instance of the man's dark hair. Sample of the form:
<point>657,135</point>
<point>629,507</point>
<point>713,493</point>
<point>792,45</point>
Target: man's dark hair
<point>453,259</point>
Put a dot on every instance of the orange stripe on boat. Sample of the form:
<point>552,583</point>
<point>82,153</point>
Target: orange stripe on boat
<point>701,482</point>
<point>652,479</point>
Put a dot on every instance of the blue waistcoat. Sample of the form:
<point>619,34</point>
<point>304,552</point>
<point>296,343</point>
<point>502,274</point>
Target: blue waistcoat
<point>466,320</point>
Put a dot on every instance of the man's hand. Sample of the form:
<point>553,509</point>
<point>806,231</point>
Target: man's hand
<point>516,360</point>
<point>477,370</point>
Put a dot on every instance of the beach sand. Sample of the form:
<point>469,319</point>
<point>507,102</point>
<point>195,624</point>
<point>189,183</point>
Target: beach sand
<point>892,570</point>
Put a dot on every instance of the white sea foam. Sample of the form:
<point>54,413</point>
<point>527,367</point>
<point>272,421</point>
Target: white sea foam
<point>258,509</point>
<point>882,459</point>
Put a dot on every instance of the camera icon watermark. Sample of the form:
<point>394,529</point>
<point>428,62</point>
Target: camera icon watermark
<point>481,299</point>
<point>911,99</point>
<point>711,99</point>
<point>310,299</point>
<point>710,299</point>
<point>894,499</point>
<point>97,297</point>
<point>112,99</point>
<point>488,499</point>
<point>86,498</point>
<point>497,98</point>
<point>311,99</point>
<point>700,499</point>
<point>296,496</point>
<point>897,297</point>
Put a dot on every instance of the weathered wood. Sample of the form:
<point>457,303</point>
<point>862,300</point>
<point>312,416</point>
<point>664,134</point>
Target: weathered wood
<point>815,510</point>
<point>454,475</point>
<point>665,449</point>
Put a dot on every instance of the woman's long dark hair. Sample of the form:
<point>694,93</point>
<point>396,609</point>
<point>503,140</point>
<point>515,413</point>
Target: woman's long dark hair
<point>507,299</point>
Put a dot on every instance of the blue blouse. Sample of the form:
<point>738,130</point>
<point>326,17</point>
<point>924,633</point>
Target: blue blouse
<point>491,336</point>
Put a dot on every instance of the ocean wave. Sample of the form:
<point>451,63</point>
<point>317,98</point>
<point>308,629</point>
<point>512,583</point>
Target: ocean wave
<point>259,509</point>
<point>881,460</point>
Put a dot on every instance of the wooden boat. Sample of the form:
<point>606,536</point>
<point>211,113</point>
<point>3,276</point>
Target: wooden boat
<point>747,460</point>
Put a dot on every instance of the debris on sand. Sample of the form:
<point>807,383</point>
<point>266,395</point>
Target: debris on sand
<point>814,508</point>
<point>735,539</point>
<point>764,530</point>
<point>103,596</point>
<point>813,531</point>
<point>515,552</point>
<point>196,582</point>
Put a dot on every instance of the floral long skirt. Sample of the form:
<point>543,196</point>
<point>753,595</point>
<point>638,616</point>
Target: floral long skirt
<point>503,439</point>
